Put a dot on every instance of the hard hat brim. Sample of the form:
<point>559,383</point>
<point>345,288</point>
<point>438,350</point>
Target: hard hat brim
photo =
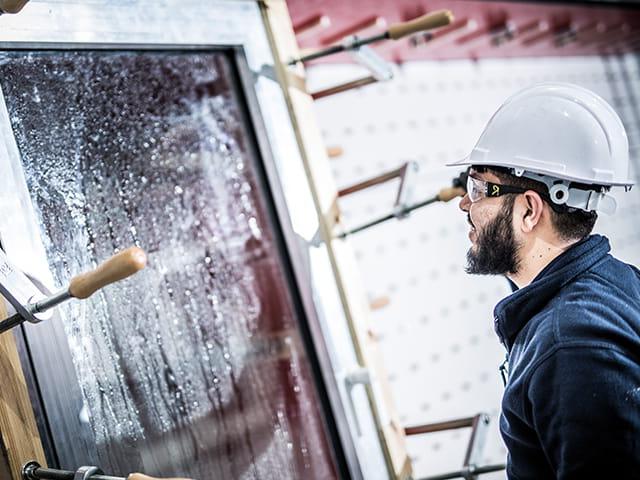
<point>460,163</point>
<point>467,161</point>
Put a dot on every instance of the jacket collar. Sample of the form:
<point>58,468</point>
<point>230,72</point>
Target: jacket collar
<point>513,312</point>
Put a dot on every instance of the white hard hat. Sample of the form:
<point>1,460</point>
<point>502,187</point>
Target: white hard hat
<point>558,133</point>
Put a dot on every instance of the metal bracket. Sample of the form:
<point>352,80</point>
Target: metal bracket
<point>403,206</point>
<point>479,430</point>
<point>85,473</point>
<point>28,470</point>
<point>368,58</point>
<point>380,70</point>
<point>20,291</point>
<point>29,302</point>
<point>479,427</point>
<point>405,172</point>
<point>405,190</point>
<point>34,471</point>
<point>357,376</point>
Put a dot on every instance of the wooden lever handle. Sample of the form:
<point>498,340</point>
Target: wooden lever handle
<point>120,266</point>
<point>429,21</point>
<point>12,6</point>
<point>450,193</point>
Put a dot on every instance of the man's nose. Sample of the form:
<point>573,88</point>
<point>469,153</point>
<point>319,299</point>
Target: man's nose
<point>465,203</point>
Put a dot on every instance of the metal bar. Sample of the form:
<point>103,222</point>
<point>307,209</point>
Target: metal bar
<point>377,180</point>
<point>477,439</point>
<point>467,473</point>
<point>423,203</point>
<point>336,423</point>
<point>440,426</point>
<point>373,223</point>
<point>50,302</point>
<point>33,471</point>
<point>340,48</point>
<point>12,321</point>
<point>400,213</point>
<point>38,307</point>
<point>361,82</point>
<point>444,195</point>
<point>404,188</point>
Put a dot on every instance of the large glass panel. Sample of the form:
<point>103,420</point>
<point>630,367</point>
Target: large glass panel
<point>195,366</point>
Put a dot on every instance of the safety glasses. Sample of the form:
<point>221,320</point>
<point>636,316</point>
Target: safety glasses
<point>478,189</point>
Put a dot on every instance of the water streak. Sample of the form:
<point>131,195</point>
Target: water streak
<point>194,367</point>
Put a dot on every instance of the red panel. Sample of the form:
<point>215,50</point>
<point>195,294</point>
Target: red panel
<point>481,29</point>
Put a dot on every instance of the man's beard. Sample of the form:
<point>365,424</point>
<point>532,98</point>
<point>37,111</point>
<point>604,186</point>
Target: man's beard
<point>496,251</point>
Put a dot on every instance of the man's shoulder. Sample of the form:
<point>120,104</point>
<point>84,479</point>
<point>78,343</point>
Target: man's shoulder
<point>600,307</point>
<point>616,271</point>
<point>609,287</point>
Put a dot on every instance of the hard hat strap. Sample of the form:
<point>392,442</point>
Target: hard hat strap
<point>591,200</point>
<point>561,193</point>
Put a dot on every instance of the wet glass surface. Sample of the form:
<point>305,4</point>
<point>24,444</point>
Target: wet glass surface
<point>195,366</point>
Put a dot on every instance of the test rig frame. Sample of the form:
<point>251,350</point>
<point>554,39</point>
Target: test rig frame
<point>247,28</point>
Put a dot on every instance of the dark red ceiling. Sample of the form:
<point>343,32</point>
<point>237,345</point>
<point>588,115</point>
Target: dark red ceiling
<point>482,29</point>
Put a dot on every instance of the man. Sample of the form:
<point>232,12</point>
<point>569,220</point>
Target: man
<point>539,175</point>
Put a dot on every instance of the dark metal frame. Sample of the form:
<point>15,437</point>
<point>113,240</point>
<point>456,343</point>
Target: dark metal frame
<point>479,425</point>
<point>297,269</point>
<point>293,261</point>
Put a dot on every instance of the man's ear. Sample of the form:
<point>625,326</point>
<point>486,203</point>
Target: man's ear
<point>532,211</point>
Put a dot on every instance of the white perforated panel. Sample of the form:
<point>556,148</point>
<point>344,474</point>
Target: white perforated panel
<point>436,335</point>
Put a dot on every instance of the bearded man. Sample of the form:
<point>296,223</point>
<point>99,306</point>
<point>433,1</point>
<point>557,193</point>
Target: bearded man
<point>539,175</point>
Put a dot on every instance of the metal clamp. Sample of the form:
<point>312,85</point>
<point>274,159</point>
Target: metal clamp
<point>86,472</point>
<point>357,376</point>
<point>31,300</point>
<point>379,70</point>
<point>403,206</point>
<point>470,470</point>
<point>367,57</point>
<point>33,471</point>
<point>28,470</point>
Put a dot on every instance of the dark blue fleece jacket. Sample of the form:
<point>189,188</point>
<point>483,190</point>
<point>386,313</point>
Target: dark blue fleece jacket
<point>571,407</point>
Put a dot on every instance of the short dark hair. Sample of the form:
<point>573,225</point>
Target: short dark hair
<point>569,223</point>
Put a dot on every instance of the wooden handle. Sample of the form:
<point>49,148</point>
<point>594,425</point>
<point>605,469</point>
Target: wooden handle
<point>425,22</point>
<point>334,152</point>
<point>120,266</point>
<point>450,193</point>
<point>140,476</point>
<point>12,6</point>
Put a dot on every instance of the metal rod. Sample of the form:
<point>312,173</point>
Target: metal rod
<point>50,302</point>
<point>340,48</point>
<point>12,321</point>
<point>36,472</point>
<point>440,426</point>
<point>371,182</point>
<point>361,82</point>
<point>467,473</point>
<point>400,213</point>
<point>38,307</point>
